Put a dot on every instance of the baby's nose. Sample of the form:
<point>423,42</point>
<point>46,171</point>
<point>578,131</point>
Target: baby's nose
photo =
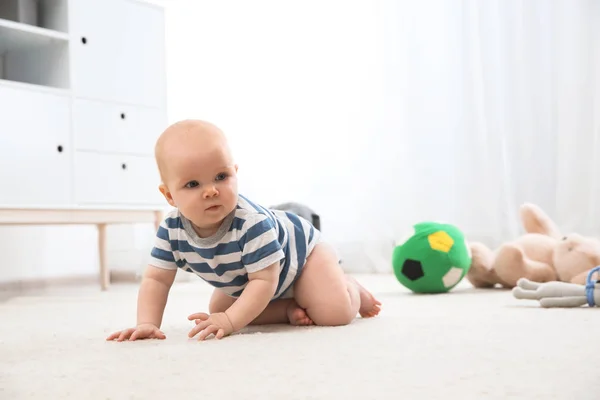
<point>210,192</point>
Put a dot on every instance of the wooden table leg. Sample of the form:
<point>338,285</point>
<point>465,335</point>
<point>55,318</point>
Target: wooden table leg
<point>158,217</point>
<point>104,271</point>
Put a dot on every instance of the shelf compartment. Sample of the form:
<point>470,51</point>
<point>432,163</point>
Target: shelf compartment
<point>19,36</point>
<point>34,55</point>
<point>50,14</point>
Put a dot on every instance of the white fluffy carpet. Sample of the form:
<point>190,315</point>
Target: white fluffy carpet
<point>463,345</point>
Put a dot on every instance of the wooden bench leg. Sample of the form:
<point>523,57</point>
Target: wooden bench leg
<point>158,217</point>
<point>104,271</point>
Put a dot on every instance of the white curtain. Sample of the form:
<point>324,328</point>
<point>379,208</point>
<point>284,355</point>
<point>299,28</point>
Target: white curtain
<point>380,114</point>
<point>529,127</point>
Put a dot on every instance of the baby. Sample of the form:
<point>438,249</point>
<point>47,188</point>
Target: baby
<point>267,266</point>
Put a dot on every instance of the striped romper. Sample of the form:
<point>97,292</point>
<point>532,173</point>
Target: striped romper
<point>249,239</point>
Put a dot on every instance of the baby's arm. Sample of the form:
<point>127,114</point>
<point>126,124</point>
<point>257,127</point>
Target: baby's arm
<point>153,295</point>
<point>152,299</point>
<point>154,290</point>
<point>252,302</point>
<point>261,256</point>
<point>255,298</point>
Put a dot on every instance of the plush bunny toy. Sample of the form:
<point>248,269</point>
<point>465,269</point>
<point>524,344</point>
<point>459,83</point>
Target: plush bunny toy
<point>560,294</point>
<point>541,255</point>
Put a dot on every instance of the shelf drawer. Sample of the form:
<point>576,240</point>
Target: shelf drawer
<point>106,127</point>
<point>116,179</point>
<point>118,50</point>
<point>34,148</point>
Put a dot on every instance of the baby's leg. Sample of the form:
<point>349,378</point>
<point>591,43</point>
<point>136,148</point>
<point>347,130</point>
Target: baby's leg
<point>327,294</point>
<point>277,312</point>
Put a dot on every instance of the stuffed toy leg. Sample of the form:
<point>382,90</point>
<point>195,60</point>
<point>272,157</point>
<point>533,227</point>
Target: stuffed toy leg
<point>560,294</point>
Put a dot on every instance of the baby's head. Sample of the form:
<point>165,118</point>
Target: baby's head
<point>198,173</point>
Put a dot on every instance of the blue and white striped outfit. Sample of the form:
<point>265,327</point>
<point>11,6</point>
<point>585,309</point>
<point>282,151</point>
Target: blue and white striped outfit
<point>249,239</point>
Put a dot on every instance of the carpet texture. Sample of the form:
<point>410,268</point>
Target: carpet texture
<point>467,344</point>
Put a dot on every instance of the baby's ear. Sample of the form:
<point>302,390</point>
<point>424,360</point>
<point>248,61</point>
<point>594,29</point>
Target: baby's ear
<point>167,194</point>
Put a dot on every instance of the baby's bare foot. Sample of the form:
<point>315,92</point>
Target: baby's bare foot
<point>297,315</point>
<point>369,305</point>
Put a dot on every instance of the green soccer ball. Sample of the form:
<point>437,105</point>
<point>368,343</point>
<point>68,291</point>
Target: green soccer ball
<point>433,260</point>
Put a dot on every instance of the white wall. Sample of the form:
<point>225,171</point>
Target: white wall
<point>352,107</point>
<point>301,89</point>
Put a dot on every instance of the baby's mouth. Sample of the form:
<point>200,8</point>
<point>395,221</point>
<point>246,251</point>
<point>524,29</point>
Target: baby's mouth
<point>213,208</point>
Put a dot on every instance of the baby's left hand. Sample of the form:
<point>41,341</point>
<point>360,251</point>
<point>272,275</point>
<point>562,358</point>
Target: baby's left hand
<point>217,324</point>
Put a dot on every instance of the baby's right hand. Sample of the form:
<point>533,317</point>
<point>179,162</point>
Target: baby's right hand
<point>142,331</point>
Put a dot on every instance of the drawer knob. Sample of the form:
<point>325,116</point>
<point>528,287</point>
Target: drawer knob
<point>84,40</point>
<point>124,166</point>
<point>59,148</point>
<point>122,115</point>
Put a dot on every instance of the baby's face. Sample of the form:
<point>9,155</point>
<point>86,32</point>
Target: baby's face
<point>200,179</point>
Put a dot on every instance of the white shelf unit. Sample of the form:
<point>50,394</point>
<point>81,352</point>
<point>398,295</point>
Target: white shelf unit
<point>82,101</point>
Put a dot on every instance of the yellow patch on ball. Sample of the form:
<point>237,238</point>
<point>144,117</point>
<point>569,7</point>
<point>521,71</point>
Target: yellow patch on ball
<point>440,241</point>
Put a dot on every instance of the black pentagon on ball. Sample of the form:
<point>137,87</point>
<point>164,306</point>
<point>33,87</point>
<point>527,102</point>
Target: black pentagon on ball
<point>412,269</point>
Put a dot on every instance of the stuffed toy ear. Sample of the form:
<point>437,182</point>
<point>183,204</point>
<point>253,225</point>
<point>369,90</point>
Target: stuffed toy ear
<point>535,220</point>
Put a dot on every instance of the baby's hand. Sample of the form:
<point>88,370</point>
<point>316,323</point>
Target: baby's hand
<point>142,331</point>
<point>217,324</point>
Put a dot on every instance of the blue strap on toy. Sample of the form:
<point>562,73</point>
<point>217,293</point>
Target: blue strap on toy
<point>590,286</point>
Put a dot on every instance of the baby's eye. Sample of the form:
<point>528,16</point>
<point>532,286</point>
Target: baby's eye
<point>192,184</point>
<point>221,177</point>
